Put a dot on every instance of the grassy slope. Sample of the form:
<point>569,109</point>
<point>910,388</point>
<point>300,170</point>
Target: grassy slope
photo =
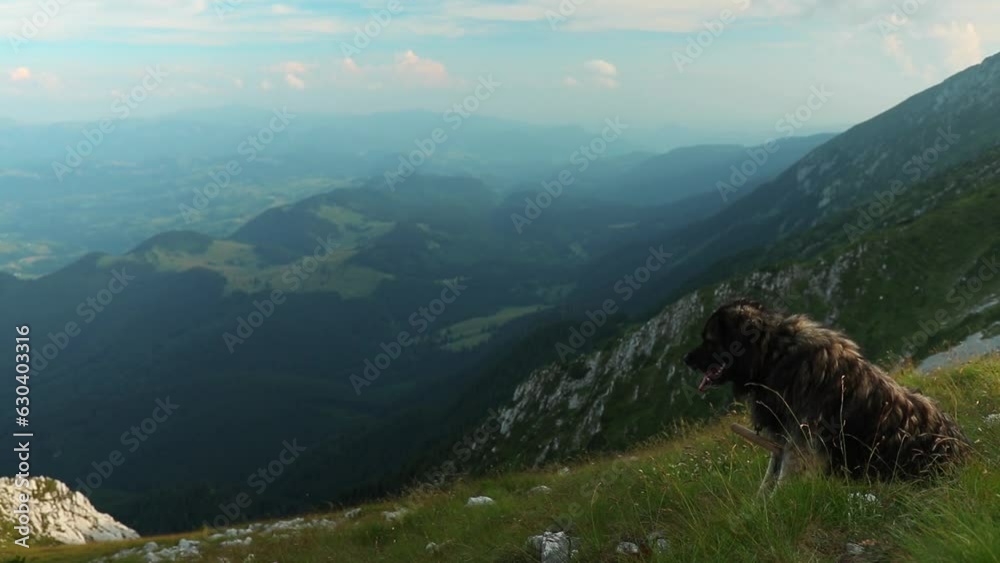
<point>698,489</point>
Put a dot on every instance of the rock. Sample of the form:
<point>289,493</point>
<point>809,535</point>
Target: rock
<point>540,490</point>
<point>479,501</point>
<point>398,514</point>
<point>855,549</point>
<point>552,547</point>
<point>151,546</point>
<point>866,497</point>
<point>60,514</point>
<point>352,514</point>
<point>237,543</point>
<point>992,419</point>
<point>564,471</point>
<point>432,547</point>
<point>627,548</point>
<point>657,541</point>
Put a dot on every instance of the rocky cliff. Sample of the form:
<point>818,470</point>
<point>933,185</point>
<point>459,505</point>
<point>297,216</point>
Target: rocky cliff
<point>57,515</point>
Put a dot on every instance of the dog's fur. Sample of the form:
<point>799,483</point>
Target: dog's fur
<point>810,389</point>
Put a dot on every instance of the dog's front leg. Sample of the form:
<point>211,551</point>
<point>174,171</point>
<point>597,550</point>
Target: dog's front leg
<point>771,476</point>
<point>794,460</point>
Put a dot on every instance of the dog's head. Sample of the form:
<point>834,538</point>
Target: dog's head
<point>730,346</point>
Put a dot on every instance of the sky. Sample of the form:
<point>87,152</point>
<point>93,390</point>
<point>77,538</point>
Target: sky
<point>711,64</point>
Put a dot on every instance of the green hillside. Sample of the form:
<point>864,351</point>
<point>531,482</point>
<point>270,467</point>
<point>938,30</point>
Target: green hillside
<point>199,322</point>
<point>920,280</point>
<point>695,491</point>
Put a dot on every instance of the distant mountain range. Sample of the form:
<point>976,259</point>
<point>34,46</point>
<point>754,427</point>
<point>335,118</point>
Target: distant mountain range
<point>89,203</point>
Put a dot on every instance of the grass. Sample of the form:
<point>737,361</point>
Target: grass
<point>696,489</point>
<point>472,332</point>
<point>244,271</point>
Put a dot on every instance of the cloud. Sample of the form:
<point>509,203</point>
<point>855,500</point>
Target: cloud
<point>602,73</point>
<point>497,12</point>
<point>349,66</point>
<point>964,44</point>
<point>571,82</point>
<point>294,72</point>
<point>295,82</point>
<point>266,85</point>
<point>282,9</point>
<point>20,74</point>
<point>425,72</point>
<point>893,46</point>
<point>600,66</point>
<point>292,67</point>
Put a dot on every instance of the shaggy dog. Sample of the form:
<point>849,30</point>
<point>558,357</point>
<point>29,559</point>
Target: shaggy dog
<point>811,391</point>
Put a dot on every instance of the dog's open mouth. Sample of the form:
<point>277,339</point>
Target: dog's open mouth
<point>710,376</point>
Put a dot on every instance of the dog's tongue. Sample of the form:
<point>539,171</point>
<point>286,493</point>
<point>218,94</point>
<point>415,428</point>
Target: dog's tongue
<point>709,378</point>
<point>706,382</point>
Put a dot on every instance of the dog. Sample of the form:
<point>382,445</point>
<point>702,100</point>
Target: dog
<point>812,392</point>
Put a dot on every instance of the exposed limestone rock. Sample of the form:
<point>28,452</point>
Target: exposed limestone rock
<point>60,514</point>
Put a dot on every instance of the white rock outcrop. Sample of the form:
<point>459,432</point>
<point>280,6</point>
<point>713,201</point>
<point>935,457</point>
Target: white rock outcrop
<point>479,501</point>
<point>553,547</point>
<point>59,513</point>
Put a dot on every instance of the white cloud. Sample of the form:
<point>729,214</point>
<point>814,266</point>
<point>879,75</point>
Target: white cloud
<point>349,66</point>
<point>602,73</point>
<point>282,9</point>
<point>571,82</point>
<point>266,85</point>
<point>522,12</point>
<point>295,82</point>
<point>292,67</point>
<point>422,71</point>
<point>20,74</point>
<point>602,67</point>
<point>293,73</point>
<point>893,46</point>
<point>965,48</point>
<point>406,69</point>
